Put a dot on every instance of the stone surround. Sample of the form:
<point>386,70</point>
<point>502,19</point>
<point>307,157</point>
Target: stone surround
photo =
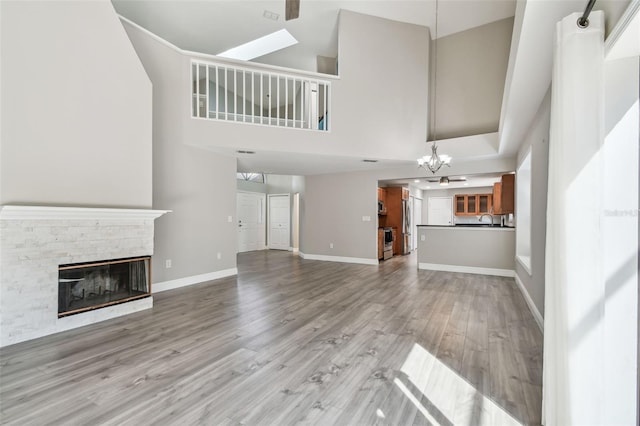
<point>34,241</point>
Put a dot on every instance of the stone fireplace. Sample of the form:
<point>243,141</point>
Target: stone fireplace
<point>84,258</point>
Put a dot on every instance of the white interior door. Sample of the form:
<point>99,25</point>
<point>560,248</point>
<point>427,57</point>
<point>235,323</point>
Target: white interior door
<point>440,211</point>
<point>251,221</point>
<point>279,221</point>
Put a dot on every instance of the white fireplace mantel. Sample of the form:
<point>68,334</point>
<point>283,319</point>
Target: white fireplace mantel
<point>10,212</point>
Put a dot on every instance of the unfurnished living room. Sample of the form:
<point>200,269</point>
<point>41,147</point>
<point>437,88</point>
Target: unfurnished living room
<point>319,212</point>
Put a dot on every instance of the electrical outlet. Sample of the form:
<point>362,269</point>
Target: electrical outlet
<point>219,255</point>
<point>229,219</point>
<point>366,218</point>
<point>422,237</point>
<point>167,263</point>
<point>330,245</point>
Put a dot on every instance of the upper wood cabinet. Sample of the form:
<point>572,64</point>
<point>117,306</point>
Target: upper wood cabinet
<point>503,195</point>
<point>461,205</point>
<point>382,198</point>
<point>485,203</point>
<point>497,198</point>
<point>473,204</point>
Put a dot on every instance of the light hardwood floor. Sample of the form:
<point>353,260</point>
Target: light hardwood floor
<point>293,341</point>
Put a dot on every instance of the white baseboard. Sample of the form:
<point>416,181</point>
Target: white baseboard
<point>532,306</point>
<point>358,260</point>
<point>467,269</point>
<point>195,279</point>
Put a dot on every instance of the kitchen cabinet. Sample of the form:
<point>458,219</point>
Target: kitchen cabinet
<point>382,194</point>
<point>503,195</point>
<point>382,198</point>
<point>484,203</point>
<point>473,204</point>
<point>380,243</point>
<point>497,198</point>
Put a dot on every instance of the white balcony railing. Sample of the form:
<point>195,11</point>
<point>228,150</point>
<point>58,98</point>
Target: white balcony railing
<point>244,95</point>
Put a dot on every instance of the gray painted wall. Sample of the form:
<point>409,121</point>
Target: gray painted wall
<point>334,208</point>
<point>279,184</point>
<point>76,108</point>
<point>248,186</point>
<point>471,71</point>
<point>538,139</point>
<point>335,203</point>
<point>482,247</point>
<point>199,186</point>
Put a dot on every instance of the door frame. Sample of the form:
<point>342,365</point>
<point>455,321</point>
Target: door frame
<point>269,196</point>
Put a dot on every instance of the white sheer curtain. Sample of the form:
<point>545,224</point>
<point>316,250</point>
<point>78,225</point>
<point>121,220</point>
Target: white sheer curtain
<point>574,292</point>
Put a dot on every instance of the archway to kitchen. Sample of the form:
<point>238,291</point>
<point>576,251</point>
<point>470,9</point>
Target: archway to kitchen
<point>470,202</point>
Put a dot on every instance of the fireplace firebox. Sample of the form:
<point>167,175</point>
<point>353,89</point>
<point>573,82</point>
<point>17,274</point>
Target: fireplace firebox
<point>86,286</point>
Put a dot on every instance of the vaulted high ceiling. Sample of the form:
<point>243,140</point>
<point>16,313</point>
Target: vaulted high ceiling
<point>214,26</point>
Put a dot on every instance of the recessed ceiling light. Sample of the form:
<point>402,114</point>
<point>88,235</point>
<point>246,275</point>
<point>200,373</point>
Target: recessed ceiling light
<point>367,160</point>
<point>260,46</point>
<point>416,180</point>
<point>242,151</point>
<point>428,187</point>
<point>462,178</point>
<point>466,184</point>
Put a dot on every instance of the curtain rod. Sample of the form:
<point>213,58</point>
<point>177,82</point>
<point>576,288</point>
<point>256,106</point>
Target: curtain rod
<point>583,21</point>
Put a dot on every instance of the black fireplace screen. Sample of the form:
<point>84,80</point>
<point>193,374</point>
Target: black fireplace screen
<point>86,286</point>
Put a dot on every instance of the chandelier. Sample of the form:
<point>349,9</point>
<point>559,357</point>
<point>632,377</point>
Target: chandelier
<point>433,162</point>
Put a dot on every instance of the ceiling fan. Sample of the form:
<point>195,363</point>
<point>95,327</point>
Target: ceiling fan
<point>291,9</point>
<point>444,180</point>
<point>448,179</point>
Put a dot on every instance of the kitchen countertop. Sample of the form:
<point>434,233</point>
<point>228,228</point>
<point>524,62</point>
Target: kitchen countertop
<point>485,227</point>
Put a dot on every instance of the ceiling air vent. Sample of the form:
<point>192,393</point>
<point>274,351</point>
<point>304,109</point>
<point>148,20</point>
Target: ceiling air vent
<point>367,160</point>
<point>241,151</point>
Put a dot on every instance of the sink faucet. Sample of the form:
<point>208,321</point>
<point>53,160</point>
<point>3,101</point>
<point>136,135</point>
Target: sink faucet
<point>486,214</point>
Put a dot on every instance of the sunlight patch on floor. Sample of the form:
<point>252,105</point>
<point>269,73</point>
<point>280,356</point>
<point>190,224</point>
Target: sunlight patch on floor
<point>445,398</point>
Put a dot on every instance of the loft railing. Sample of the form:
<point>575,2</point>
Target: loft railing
<point>243,95</point>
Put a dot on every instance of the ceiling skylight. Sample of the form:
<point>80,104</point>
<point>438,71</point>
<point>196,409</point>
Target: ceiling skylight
<point>260,46</point>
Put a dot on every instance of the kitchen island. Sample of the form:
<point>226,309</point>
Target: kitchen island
<point>487,250</point>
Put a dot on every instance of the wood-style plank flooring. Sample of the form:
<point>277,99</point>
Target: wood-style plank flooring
<point>292,341</point>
